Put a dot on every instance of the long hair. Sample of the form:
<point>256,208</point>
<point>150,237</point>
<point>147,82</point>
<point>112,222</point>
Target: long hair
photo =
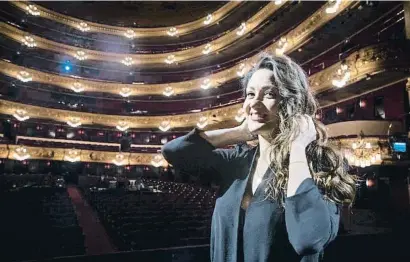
<point>326,163</point>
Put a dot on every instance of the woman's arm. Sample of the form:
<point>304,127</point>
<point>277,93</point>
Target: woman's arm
<point>311,221</point>
<point>198,149</point>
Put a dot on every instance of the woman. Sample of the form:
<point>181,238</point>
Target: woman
<point>280,199</point>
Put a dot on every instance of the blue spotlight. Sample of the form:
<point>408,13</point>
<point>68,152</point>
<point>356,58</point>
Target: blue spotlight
<point>67,66</point>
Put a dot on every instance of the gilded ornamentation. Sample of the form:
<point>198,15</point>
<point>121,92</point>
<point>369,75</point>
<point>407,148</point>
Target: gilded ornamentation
<point>294,38</point>
<point>139,59</point>
<point>183,29</point>
<point>73,155</point>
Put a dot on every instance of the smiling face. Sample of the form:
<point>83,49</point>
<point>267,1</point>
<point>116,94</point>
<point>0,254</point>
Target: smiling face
<point>261,103</point>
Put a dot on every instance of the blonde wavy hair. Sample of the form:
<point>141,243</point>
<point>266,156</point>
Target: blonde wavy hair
<point>326,163</point>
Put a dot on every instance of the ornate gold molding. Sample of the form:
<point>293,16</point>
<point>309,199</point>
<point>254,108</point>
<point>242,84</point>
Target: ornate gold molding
<point>183,29</point>
<point>369,60</point>
<point>18,152</point>
<point>144,59</point>
<point>300,33</point>
<point>293,39</point>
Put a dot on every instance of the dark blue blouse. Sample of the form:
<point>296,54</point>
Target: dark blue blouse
<point>298,232</point>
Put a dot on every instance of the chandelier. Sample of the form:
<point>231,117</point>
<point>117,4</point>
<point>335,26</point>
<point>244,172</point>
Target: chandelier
<point>363,153</point>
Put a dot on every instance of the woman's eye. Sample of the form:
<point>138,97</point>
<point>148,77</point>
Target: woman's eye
<point>250,94</point>
<point>270,95</point>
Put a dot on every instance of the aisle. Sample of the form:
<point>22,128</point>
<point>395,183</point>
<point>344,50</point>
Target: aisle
<point>96,238</point>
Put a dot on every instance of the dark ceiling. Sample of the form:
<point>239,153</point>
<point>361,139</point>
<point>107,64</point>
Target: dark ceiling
<point>135,13</point>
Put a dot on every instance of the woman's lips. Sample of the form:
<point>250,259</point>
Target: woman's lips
<point>259,117</point>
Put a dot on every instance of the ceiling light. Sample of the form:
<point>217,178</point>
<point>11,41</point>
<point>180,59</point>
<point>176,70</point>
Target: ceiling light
<point>125,92</point>
<point>73,155</point>
<point>208,19</point>
<point>24,76</point>
<point>203,122</point>
<point>20,153</point>
<point>241,70</point>
<point>77,87</point>
<point>343,75</point>
<point>29,41</point>
<point>21,115</point>
<point>122,126</point>
<point>170,59</point>
<point>32,10</point>
<point>164,126</point>
<point>127,61</point>
<point>129,34</point>
<point>278,2</point>
<point>83,27</point>
<point>207,49</point>
<point>157,161</point>
<point>169,91</point>
<point>119,159</point>
<point>172,31</point>
<point>241,30</point>
<point>282,44</point>
<point>74,121</point>
<point>333,9</point>
<point>206,83</point>
<point>80,55</point>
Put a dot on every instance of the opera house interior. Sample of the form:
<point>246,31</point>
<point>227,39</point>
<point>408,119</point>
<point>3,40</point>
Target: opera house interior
<point>91,91</point>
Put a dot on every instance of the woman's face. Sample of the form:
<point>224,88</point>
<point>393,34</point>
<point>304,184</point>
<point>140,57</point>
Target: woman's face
<point>261,103</point>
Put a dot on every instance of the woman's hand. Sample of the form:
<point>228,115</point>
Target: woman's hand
<point>307,132</point>
<point>244,131</point>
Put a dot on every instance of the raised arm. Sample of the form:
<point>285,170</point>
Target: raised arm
<point>198,149</point>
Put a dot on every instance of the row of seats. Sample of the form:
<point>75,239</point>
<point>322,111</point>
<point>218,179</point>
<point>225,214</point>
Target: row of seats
<point>172,214</point>
<point>38,222</point>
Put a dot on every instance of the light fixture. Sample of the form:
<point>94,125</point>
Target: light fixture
<point>334,7</point>
<point>207,49</point>
<point>128,61</point>
<point>83,27</point>
<point>338,110</point>
<point>208,19</point>
<point>363,153</point>
<point>24,76</point>
<point>32,10</point>
<point>170,59</point>
<point>241,70</point>
<point>122,126</point>
<point>74,121</point>
<point>343,75</point>
<point>80,55</point>
<point>282,44</point>
<point>164,140</point>
<point>77,87</point>
<point>206,83</point>
<point>362,103</point>
<point>240,115</point>
<point>164,126</point>
<point>241,29</point>
<point>203,122</point>
<point>20,153</point>
<point>157,161</point>
<point>72,155</point>
<point>125,92</point>
<point>172,31</point>
<point>119,159</point>
<point>130,34</point>
<point>29,41</point>
<point>169,91</point>
<point>21,115</point>
<point>278,2</point>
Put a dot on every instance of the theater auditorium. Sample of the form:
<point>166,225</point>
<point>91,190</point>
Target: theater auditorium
<point>91,92</point>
